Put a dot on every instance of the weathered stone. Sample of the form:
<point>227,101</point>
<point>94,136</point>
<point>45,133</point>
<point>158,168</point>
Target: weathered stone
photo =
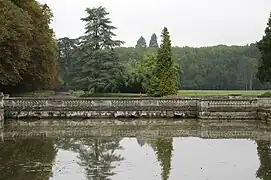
<point>148,128</point>
<point>205,108</point>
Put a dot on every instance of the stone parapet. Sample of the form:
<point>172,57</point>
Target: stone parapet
<point>204,108</point>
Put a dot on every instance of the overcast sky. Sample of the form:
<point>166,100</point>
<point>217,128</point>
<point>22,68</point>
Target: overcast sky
<point>190,22</point>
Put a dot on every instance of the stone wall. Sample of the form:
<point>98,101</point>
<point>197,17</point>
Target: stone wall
<point>228,108</point>
<point>218,108</point>
<point>100,107</point>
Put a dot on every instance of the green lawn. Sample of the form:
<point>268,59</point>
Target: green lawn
<point>220,92</point>
<point>185,93</point>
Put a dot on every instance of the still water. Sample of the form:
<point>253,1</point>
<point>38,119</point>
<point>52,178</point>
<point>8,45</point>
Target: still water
<point>134,158</point>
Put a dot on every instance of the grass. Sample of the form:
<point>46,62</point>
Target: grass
<point>114,95</point>
<point>220,92</point>
<point>36,94</point>
<point>184,93</point>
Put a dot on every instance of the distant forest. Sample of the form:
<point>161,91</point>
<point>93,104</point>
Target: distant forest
<point>208,68</point>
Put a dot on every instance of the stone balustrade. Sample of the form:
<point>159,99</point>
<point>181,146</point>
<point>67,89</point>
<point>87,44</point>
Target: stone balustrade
<point>206,108</point>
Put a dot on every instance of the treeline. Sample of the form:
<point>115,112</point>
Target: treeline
<point>95,62</point>
<point>211,68</point>
<point>28,50</point>
<point>31,58</point>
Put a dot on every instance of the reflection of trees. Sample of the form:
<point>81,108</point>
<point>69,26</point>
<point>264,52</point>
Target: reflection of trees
<point>164,154</point>
<point>264,153</point>
<point>27,159</point>
<point>142,141</point>
<point>97,155</point>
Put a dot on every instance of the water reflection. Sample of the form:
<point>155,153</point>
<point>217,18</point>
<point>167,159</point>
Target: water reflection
<point>97,155</point>
<point>27,159</point>
<point>141,157</point>
<point>264,153</point>
<point>164,154</point>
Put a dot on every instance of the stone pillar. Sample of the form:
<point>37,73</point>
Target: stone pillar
<point>203,109</point>
<point>1,110</point>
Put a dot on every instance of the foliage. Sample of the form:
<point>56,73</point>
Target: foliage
<point>164,80</point>
<point>129,70</point>
<point>28,59</point>
<point>206,68</point>
<point>66,55</point>
<point>98,65</point>
<point>153,42</point>
<point>143,71</point>
<point>264,45</point>
<point>141,43</point>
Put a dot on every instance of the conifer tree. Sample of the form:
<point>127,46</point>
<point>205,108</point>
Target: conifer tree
<point>100,63</point>
<point>153,41</point>
<point>264,45</point>
<point>141,43</point>
<point>164,81</point>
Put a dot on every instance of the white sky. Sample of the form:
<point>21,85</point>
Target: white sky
<point>190,22</point>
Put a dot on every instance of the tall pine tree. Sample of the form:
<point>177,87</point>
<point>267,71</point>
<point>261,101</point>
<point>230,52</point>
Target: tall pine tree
<point>164,81</point>
<point>101,65</point>
<point>264,45</point>
<point>153,41</point>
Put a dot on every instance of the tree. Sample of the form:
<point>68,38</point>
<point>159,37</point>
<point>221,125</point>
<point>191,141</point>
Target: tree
<point>28,49</point>
<point>15,35</point>
<point>264,45</point>
<point>153,41</point>
<point>67,49</point>
<point>141,43</point>
<point>143,72</point>
<point>164,81</point>
<point>100,63</point>
<point>43,71</point>
<point>99,31</point>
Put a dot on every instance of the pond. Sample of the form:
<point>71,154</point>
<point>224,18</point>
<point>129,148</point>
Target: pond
<point>190,155</point>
